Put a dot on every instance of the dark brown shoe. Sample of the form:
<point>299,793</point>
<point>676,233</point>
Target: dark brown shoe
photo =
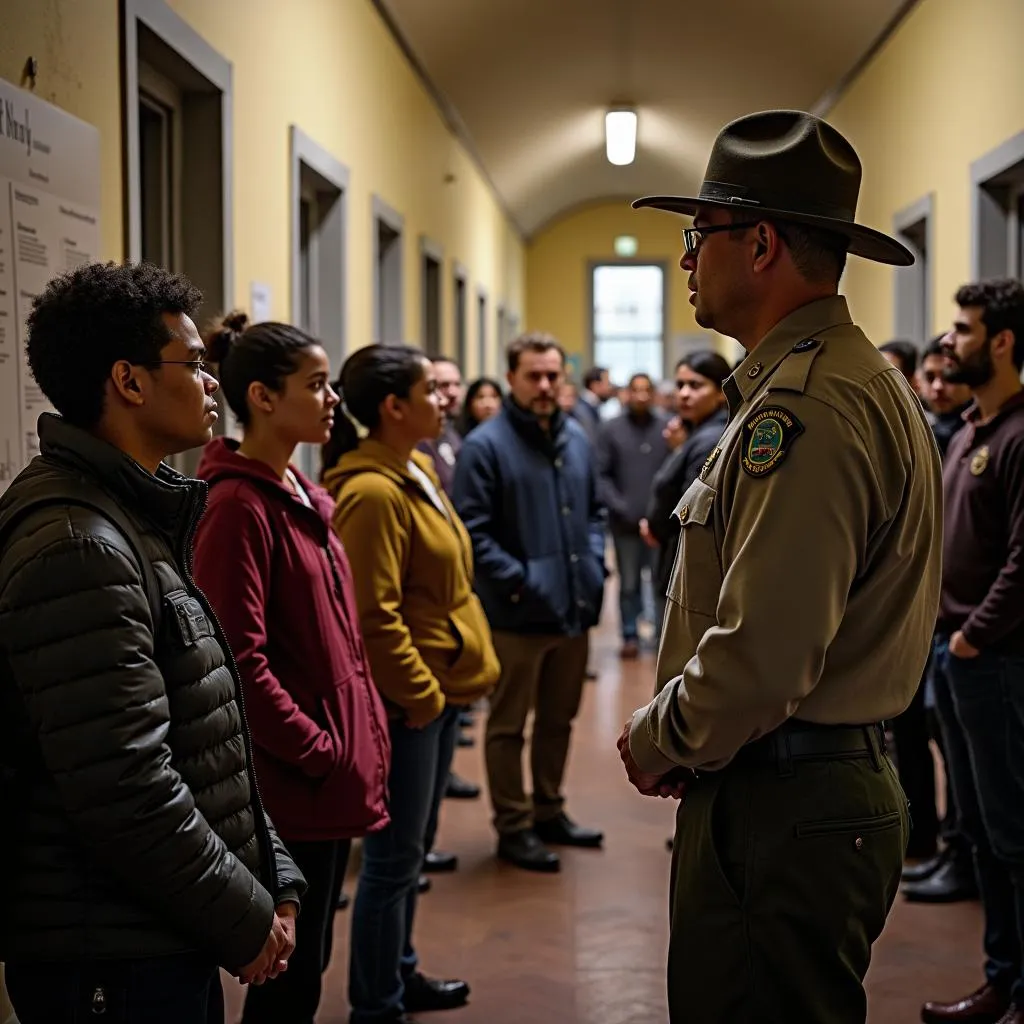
<point>985,1006</point>
<point>630,650</point>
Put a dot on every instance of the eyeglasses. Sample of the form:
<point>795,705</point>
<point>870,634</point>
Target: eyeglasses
<point>199,366</point>
<point>692,237</point>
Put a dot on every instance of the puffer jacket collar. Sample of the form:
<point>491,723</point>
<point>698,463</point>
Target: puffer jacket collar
<point>167,499</point>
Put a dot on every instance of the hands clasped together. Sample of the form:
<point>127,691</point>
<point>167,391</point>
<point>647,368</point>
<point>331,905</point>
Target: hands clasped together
<point>280,944</point>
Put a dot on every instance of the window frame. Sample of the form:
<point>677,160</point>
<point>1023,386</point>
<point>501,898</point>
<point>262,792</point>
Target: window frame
<point>592,268</point>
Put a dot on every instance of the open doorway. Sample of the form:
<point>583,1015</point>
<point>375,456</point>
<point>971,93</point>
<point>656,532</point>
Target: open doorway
<point>432,258</point>
<point>481,332</point>
<point>388,322</point>
<point>912,315</point>
<point>177,149</point>
<point>461,343</point>
<point>319,184</point>
<point>997,211</point>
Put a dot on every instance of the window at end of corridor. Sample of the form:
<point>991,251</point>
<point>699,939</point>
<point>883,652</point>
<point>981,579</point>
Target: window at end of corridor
<point>628,320</point>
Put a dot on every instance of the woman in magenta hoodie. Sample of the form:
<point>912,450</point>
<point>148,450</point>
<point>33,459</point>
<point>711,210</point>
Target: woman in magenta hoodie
<point>278,578</point>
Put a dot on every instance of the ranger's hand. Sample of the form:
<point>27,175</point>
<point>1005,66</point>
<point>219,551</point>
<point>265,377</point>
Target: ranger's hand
<point>646,783</point>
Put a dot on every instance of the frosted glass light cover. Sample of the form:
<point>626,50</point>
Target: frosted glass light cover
<point>620,136</point>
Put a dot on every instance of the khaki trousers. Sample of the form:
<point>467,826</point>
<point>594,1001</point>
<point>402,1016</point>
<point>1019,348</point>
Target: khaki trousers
<point>544,674</point>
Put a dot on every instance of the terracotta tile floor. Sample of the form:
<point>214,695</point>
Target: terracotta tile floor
<point>587,946</point>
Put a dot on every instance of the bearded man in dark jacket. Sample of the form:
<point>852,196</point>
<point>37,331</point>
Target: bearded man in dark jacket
<point>140,858</point>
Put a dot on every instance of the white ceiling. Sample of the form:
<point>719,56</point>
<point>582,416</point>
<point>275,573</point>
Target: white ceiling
<point>527,82</point>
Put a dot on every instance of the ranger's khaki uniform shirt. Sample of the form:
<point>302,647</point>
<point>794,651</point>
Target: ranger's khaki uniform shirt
<point>807,578</point>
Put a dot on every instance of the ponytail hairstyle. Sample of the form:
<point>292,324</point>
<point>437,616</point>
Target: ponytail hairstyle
<point>246,353</point>
<point>368,377</point>
<point>708,364</point>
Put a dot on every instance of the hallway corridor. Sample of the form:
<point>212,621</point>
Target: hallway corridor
<point>587,946</point>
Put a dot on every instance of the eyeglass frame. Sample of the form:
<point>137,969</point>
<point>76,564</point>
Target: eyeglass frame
<point>693,238</point>
<point>201,366</point>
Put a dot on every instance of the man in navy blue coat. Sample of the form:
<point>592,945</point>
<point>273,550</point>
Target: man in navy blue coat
<point>525,488</point>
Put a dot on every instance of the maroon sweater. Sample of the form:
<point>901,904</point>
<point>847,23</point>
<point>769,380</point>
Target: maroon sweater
<point>278,578</point>
<point>983,541</point>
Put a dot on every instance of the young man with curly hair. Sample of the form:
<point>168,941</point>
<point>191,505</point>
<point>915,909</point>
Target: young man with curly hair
<point>137,856</point>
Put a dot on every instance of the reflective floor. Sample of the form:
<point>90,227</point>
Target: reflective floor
<point>587,946</point>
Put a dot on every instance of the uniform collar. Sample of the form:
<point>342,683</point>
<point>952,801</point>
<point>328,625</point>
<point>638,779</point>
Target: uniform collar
<point>973,414</point>
<point>763,360</point>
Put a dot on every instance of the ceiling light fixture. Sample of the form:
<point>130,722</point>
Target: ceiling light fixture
<point>620,136</point>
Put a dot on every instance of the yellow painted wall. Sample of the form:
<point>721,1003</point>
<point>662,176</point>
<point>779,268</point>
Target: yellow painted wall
<point>332,68</point>
<point>78,49</point>
<point>557,265</point>
<point>945,90</point>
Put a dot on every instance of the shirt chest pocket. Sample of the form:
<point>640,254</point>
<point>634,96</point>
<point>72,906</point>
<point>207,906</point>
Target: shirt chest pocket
<point>697,574</point>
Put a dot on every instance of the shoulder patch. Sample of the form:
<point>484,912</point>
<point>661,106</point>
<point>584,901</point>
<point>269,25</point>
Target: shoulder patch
<point>767,436</point>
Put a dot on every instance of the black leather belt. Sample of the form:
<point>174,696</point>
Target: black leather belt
<point>795,740</point>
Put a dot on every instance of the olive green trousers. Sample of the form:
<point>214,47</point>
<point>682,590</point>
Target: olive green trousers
<point>780,885</point>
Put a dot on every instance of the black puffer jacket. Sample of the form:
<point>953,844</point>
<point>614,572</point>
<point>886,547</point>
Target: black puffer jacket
<point>138,828</point>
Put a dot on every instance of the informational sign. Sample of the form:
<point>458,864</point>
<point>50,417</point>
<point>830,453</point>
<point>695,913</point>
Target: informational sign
<point>259,302</point>
<point>49,223</point>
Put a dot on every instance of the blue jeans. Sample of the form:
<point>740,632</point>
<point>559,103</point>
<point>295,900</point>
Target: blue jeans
<point>988,700</point>
<point>632,556</point>
<point>178,989</point>
<point>382,954</point>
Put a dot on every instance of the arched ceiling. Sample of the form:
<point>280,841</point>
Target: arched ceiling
<point>526,82</point>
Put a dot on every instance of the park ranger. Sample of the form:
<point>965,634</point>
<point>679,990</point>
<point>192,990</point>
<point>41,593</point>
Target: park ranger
<point>802,601</point>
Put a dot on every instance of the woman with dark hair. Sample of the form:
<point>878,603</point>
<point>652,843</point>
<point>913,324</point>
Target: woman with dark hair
<point>429,644</point>
<point>702,412</point>
<point>483,400</point>
<point>279,579</point>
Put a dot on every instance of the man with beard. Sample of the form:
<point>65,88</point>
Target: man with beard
<point>979,649</point>
<point>525,488</point>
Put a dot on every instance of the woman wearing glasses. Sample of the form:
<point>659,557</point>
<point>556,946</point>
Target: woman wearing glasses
<point>279,579</point>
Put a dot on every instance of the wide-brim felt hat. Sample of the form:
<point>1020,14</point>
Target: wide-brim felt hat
<point>788,165</point>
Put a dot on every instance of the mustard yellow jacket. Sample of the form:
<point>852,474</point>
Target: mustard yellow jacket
<point>426,635</point>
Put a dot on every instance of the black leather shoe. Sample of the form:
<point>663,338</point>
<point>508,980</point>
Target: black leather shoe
<point>952,882</point>
<point>563,831</point>
<point>423,994</point>
<point>927,868</point>
<point>435,863</point>
<point>466,740</point>
<point>459,788</point>
<point>424,885</point>
<point>525,850</point>
<point>466,719</point>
